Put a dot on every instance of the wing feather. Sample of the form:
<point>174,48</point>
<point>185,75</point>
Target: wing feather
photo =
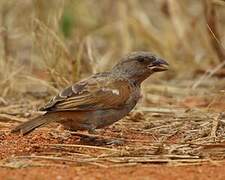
<point>91,94</point>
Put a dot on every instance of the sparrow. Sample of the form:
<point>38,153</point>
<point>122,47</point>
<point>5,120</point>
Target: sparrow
<point>101,99</point>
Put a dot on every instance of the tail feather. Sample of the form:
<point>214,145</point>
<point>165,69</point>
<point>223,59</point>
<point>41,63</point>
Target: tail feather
<point>30,125</point>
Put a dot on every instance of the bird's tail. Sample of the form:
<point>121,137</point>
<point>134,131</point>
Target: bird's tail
<point>32,124</point>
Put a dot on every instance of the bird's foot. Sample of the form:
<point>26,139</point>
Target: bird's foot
<point>92,131</point>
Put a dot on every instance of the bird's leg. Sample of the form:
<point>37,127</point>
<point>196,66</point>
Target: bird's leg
<point>90,128</point>
<point>92,133</point>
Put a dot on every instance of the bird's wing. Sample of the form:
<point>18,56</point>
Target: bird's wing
<point>91,94</point>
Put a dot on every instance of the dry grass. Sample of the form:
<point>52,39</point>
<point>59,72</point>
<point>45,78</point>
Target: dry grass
<point>60,41</point>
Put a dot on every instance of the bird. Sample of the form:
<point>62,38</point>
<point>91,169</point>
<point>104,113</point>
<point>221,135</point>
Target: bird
<point>101,99</point>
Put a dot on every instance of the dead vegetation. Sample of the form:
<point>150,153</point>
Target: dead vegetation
<point>73,40</point>
<point>180,120</point>
<point>162,135</point>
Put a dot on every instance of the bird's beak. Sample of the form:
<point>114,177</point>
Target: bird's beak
<point>159,65</point>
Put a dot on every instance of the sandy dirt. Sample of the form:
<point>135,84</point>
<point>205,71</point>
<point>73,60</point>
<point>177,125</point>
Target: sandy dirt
<point>203,172</point>
<point>152,143</point>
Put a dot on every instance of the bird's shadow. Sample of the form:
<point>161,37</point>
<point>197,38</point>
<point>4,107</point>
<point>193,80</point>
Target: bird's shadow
<point>97,140</point>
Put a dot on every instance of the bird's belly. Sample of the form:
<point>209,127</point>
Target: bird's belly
<point>91,119</point>
<point>107,117</point>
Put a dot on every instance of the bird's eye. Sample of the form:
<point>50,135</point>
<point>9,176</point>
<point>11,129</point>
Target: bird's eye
<point>141,60</point>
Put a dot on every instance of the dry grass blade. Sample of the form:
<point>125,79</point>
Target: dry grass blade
<point>160,110</point>
<point>208,74</point>
<point>91,161</point>
<point>217,45</point>
<point>154,160</point>
<point>82,146</point>
<point>219,2</point>
<point>215,124</point>
<point>212,24</point>
<point>42,82</point>
<point>55,37</point>
<point>6,118</point>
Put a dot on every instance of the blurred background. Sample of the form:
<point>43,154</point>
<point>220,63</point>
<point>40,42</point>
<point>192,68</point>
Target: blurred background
<point>46,45</point>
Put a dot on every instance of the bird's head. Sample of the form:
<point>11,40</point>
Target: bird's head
<point>140,65</point>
